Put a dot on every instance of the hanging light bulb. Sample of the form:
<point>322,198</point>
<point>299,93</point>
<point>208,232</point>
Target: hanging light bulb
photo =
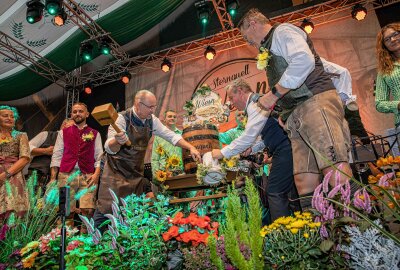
<point>209,53</point>
<point>166,65</point>
<point>307,25</point>
<point>359,12</point>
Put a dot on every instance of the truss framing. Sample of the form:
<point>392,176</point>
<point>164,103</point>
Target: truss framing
<point>223,15</point>
<point>321,13</point>
<point>76,14</point>
<point>21,54</point>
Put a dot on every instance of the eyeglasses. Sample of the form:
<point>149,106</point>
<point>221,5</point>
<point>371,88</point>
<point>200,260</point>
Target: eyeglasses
<point>149,107</point>
<point>390,38</point>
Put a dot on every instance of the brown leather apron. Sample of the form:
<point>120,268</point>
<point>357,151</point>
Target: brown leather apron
<point>123,172</point>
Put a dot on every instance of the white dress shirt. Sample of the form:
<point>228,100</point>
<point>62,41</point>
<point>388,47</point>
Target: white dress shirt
<point>256,121</point>
<point>290,42</point>
<point>158,129</point>
<point>342,82</point>
<point>38,140</point>
<point>59,150</point>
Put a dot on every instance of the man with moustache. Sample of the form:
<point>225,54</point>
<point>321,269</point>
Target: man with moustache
<point>78,147</point>
<point>124,165</point>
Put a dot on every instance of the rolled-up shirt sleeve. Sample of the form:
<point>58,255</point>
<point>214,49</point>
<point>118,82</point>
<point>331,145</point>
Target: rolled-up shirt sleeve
<point>120,122</point>
<point>160,130</point>
<point>98,150</point>
<point>57,151</point>
<point>290,42</point>
<point>255,123</point>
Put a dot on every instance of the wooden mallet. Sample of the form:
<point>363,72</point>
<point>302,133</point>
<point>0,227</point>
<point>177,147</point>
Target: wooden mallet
<point>107,115</point>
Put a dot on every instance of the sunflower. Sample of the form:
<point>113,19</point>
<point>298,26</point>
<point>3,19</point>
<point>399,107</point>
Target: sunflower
<point>161,176</point>
<point>173,161</point>
<point>160,150</point>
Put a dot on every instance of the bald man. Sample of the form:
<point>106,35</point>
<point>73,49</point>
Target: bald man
<point>124,165</point>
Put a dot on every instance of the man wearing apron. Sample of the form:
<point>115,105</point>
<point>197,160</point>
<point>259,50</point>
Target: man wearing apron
<point>124,165</point>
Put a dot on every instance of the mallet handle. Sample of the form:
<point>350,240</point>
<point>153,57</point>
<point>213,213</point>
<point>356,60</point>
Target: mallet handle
<point>118,130</point>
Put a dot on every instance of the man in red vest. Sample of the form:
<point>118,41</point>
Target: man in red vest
<point>78,147</point>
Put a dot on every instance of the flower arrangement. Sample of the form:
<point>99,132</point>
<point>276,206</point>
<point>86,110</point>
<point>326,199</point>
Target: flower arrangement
<point>45,251</point>
<point>230,164</point>
<point>35,224</point>
<point>87,137</point>
<point>192,230</point>
<point>133,238</point>
<point>172,166</point>
<point>293,242</point>
<point>263,58</point>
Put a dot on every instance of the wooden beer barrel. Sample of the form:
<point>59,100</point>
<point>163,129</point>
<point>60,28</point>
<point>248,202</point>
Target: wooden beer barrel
<point>204,138</point>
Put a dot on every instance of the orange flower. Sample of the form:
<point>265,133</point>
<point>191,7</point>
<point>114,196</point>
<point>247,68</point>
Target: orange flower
<point>179,219</point>
<point>173,231</point>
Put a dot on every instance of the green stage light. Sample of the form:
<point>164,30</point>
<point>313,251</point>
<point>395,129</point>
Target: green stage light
<point>53,6</point>
<point>104,45</point>
<point>203,11</point>
<point>34,11</point>
<point>232,6</point>
<point>86,51</point>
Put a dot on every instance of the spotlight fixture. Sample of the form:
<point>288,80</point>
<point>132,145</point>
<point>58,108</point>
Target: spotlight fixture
<point>104,45</point>
<point>209,53</point>
<point>203,11</point>
<point>359,12</point>
<point>166,65</point>
<point>60,18</point>
<point>34,12</point>
<point>86,51</point>
<point>126,77</point>
<point>307,26</point>
<point>53,6</point>
<point>232,6</point>
<point>88,88</point>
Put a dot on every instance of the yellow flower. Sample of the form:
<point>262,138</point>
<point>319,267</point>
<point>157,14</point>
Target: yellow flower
<point>262,59</point>
<point>173,161</point>
<point>306,235</point>
<point>282,257</point>
<point>294,230</point>
<point>160,150</point>
<point>161,176</point>
<point>230,163</point>
<point>30,260</point>
<point>40,204</point>
<point>28,247</point>
<point>298,224</point>
<point>314,224</point>
<point>88,136</point>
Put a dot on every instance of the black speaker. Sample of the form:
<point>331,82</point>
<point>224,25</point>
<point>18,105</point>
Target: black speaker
<point>64,208</point>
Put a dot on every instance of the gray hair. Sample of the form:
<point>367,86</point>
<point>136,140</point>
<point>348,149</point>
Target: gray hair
<point>142,93</point>
<point>252,15</point>
<point>239,83</point>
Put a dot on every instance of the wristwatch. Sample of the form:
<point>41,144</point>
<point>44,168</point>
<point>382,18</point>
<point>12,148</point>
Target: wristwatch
<point>8,175</point>
<point>275,92</point>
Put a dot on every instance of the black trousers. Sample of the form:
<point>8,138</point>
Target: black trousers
<point>280,189</point>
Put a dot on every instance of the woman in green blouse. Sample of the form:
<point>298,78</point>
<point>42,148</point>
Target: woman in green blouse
<point>388,79</point>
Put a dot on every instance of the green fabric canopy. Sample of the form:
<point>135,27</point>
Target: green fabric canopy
<point>125,24</point>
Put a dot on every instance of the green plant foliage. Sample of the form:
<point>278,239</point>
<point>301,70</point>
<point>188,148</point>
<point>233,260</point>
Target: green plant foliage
<point>133,239</point>
<point>247,231</point>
